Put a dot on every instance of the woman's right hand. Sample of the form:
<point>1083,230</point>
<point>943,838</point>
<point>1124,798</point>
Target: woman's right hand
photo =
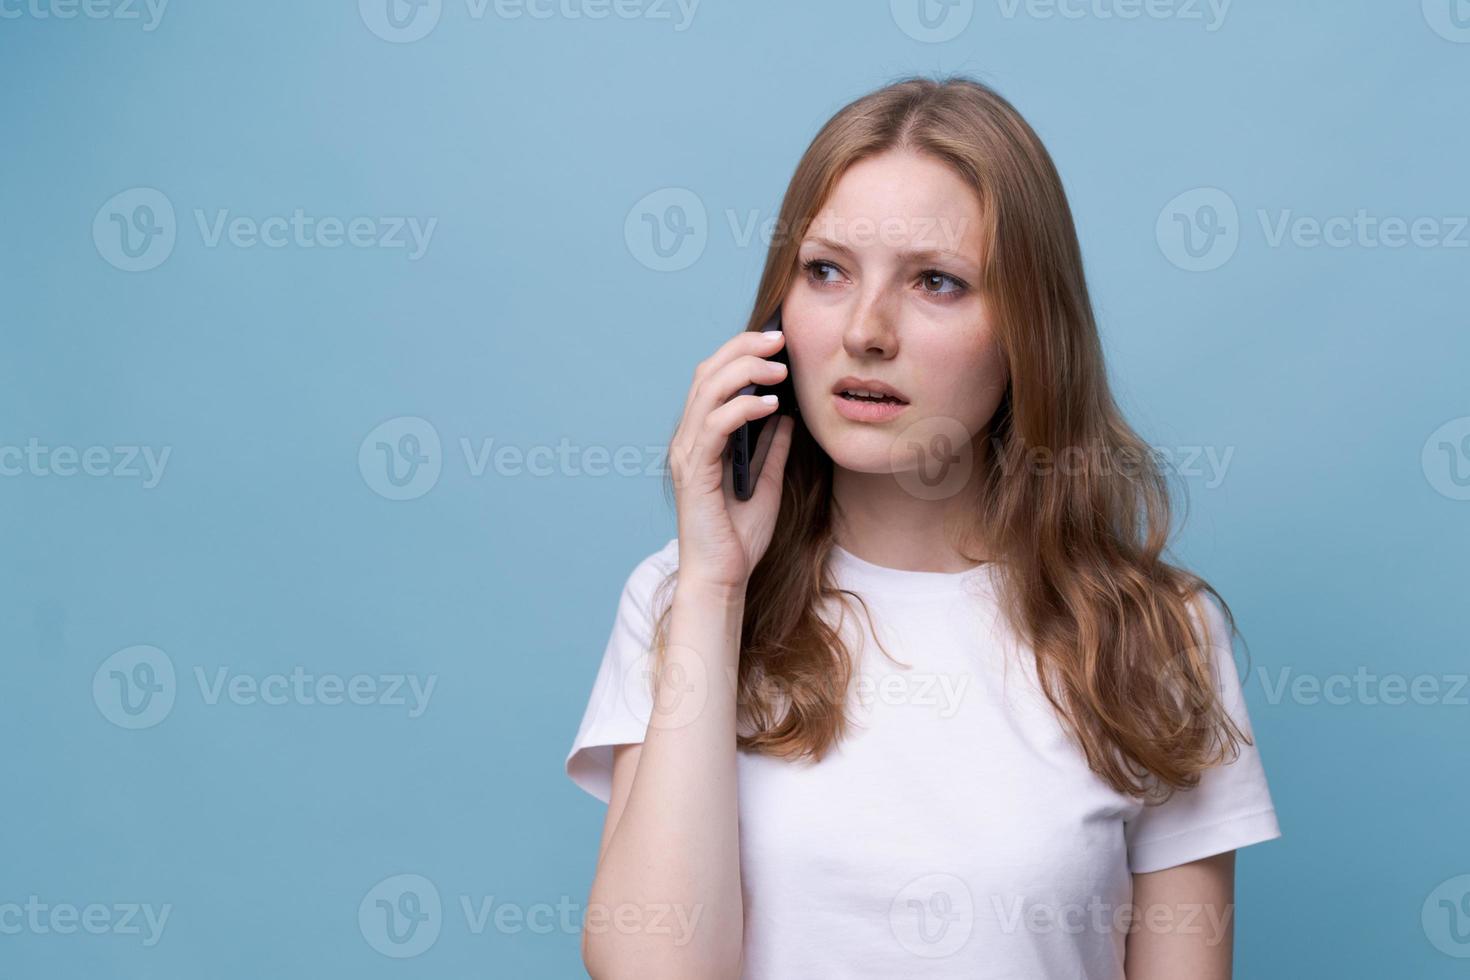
<point>721,538</point>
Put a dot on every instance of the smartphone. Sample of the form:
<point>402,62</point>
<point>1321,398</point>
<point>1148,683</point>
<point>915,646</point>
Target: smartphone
<point>744,469</point>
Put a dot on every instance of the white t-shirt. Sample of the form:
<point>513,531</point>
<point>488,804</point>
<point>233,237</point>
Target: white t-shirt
<point>955,831</point>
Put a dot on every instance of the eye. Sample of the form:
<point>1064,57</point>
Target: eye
<point>928,276</point>
<point>813,268</point>
<point>816,270</point>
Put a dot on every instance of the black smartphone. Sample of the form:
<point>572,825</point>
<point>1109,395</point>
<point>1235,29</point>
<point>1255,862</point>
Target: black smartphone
<point>743,466</point>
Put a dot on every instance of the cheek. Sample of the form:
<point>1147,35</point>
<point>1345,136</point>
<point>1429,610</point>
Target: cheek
<point>810,344</point>
<point>807,374</point>
<point>966,383</point>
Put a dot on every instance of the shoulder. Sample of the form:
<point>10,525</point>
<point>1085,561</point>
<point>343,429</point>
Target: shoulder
<point>657,565</point>
<point>649,574</point>
<point>666,558</point>
<point>1213,628</point>
<point>1214,644</point>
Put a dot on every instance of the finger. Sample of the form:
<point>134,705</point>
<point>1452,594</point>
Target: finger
<point>762,446</point>
<point>720,423</point>
<point>757,342</point>
<point>774,467</point>
<point>759,452</point>
<point>725,384</point>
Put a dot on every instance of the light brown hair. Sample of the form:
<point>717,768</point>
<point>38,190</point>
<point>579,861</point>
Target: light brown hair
<point>1079,550</point>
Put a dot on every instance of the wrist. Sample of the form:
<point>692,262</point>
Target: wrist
<point>707,591</point>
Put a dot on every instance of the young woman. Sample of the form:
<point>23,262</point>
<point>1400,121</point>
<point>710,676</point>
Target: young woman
<point>932,703</point>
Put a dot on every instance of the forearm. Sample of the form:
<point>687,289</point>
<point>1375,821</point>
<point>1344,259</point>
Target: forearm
<point>675,853</point>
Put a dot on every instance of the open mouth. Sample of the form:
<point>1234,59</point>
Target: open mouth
<point>869,396</point>
<point>867,401</point>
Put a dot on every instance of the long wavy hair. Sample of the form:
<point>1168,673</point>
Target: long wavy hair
<point>1077,550</point>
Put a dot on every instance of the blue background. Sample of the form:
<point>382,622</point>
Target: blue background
<point>533,318</point>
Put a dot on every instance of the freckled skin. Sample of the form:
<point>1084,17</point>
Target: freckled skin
<point>875,313</point>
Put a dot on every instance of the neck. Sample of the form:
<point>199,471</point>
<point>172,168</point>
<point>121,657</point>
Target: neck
<point>880,519</point>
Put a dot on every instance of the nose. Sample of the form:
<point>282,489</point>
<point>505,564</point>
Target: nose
<point>871,332</point>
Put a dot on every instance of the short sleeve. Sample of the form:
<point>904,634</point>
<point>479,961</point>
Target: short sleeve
<point>621,702</point>
<point>1231,806</point>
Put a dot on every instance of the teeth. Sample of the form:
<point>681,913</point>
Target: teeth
<point>862,393</point>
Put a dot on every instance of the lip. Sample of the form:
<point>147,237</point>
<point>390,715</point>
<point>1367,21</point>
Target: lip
<point>868,384</point>
<point>856,411</point>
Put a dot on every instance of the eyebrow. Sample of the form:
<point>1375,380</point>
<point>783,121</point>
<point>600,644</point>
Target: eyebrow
<point>912,255</point>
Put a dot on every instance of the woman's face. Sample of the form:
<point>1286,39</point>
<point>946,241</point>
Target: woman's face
<point>887,291</point>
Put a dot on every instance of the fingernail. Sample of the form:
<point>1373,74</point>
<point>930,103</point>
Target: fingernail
<point>774,334</point>
<point>769,399</point>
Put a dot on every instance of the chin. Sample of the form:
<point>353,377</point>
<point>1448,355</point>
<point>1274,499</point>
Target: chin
<point>857,447</point>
